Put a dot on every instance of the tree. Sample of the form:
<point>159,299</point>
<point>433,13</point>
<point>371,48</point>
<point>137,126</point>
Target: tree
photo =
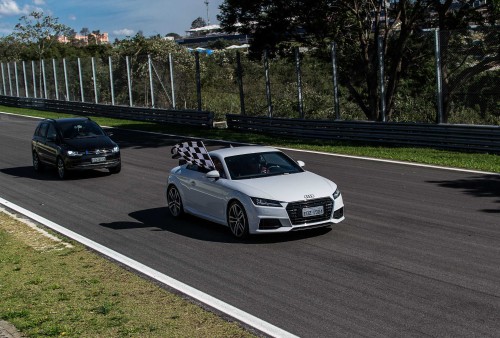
<point>356,26</point>
<point>198,22</point>
<point>40,31</point>
<point>84,31</point>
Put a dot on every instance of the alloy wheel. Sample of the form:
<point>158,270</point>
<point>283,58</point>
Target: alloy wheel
<point>237,220</point>
<point>174,201</point>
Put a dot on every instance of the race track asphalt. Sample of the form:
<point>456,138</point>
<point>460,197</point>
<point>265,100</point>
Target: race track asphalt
<point>418,254</point>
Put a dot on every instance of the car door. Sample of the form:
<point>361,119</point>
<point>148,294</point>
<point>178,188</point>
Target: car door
<point>206,196</point>
<point>39,141</point>
<point>50,145</point>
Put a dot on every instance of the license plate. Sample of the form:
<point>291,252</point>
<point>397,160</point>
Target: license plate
<point>314,211</point>
<point>98,159</point>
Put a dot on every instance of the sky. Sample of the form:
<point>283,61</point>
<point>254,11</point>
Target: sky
<point>118,18</point>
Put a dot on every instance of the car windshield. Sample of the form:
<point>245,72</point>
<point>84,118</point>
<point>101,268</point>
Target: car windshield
<point>260,165</point>
<point>80,129</point>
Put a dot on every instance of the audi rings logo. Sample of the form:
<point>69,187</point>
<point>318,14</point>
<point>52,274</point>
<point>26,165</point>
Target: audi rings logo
<point>97,151</point>
<point>308,197</point>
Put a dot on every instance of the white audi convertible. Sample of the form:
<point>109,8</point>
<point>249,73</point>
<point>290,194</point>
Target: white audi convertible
<point>251,189</point>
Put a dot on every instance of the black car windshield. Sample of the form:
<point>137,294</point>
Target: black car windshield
<point>260,165</point>
<point>80,129</point>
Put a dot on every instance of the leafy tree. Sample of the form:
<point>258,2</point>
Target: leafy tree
<point>84,31</point>
<point>40,31</point>
<point>356,26</point>
<point>198,22</point>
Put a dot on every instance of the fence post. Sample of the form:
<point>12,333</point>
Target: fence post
<point>239,71</point>
<point>9,78</point>
<point>65,70</point>
<point>198,78</point>
<point>3,82</point>
<point>151,82</point>
<point>111,86</point>
<point>129,82</point>
<point>299,83</point>
<point>172,83</point>
<point>81,79</point>
<point>381,78</point>
<point>17,79</point>
<point>94,78</point>
<point>336,102</point>
<point>439,79</point>
<point>25,80</point>
<point>268,85</point>
<point>44,80</point>
<point>34,78</point>
<point>55,78</point>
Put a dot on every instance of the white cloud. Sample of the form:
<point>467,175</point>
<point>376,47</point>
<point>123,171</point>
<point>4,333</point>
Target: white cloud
<point>10,7</point>
<point>124,32</point>
<point>39,2</point>
<point>72,17</point>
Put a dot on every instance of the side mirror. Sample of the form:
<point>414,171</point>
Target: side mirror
<point>214,174</point>
<point>109,133</point>
<point>52,138</point>
<point>301,163</point>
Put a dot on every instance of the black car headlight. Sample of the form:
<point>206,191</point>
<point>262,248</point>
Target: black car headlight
<point>336,194</point>
<point>262,202</point>
<point>116,149</point>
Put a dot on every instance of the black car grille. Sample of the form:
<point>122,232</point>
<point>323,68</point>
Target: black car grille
<point>98,152</point>
<point>294,210</point>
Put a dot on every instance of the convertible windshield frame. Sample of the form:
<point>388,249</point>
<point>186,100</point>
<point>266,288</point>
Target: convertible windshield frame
<point>259,165</point>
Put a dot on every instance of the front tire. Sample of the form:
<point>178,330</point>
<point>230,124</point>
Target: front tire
<point>61,169</point>
<point>174,201</point>
<point>237,220</point>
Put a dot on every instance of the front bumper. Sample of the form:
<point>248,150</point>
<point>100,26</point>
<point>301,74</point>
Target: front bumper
<point>264,220</point>
<point>85,162</point>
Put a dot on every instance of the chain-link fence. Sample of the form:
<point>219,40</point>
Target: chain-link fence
<point>444,77</point>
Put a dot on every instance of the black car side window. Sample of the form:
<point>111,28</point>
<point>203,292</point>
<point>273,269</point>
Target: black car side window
<point>42,130</point>
<point>52,133</point>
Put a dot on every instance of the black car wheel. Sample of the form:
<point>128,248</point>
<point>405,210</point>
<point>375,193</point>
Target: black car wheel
<point>61,168</point>
<point>115,170</point>
<point>37,165</point>
<point>174,201</point>
<point>237,220</point>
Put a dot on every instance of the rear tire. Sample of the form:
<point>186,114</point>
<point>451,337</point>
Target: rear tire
<point>37,165</point>
<point>237,220</point>
<point>174,201</point>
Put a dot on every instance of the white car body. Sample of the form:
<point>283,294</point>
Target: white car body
<point>305,194</point>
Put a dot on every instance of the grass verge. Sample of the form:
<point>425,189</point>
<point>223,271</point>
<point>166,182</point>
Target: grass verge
<point>472,161</point>
<point>51,287</point>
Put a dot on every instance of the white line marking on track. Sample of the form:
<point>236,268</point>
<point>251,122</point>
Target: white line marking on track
<point>213,302</point>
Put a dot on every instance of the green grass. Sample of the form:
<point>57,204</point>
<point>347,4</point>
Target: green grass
<point>49,290</point>
<point>464,160</point>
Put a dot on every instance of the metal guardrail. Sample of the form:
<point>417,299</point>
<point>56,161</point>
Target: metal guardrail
<point>165,116</point>
<point>484,139</point>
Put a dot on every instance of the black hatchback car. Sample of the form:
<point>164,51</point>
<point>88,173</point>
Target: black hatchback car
<point>73,144</point>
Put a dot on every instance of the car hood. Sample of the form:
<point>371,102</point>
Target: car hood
<point>292,187</point>
<point>90,143</point>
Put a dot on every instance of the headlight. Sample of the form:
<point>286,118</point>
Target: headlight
<point>262,202</point>
<point>73,153</point>
<point>336,194</point>
<point>116,149</point>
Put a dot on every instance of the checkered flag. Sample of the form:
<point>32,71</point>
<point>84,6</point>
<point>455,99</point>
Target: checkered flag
<point>194,152</point>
